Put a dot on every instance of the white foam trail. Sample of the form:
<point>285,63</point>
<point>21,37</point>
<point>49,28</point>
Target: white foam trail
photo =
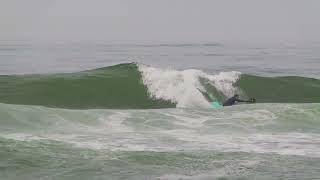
<point>262,128</point>
<point>182,87</point>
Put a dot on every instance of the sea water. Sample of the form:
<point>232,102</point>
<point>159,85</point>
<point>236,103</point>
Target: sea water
<point>142,111</point>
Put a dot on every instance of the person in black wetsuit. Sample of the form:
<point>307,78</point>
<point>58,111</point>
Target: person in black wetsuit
<point>231,101</point>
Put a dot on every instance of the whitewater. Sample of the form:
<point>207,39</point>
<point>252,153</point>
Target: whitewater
<point>111,119</point>
<point>184,87</point>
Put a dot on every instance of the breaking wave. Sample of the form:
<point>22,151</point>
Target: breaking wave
<point>131,86</point>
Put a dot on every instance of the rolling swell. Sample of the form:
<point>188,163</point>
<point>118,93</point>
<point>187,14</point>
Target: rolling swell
<point>280,89</point>
<point>132,86</point>
<point>117,86</point>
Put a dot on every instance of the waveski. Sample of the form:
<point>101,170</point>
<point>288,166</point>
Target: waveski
<point>132,85</point>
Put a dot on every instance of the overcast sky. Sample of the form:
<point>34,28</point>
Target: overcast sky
<point>160,20</point>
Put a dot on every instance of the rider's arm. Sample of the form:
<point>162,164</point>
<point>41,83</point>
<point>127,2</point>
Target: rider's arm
<point>240,100</point>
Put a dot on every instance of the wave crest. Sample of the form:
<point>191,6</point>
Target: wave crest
<point>185,87</point>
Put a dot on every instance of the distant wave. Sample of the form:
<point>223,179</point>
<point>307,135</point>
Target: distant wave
<point>174,45</point>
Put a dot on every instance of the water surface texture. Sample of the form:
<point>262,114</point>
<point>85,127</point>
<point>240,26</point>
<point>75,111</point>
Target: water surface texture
<point>143,111</point>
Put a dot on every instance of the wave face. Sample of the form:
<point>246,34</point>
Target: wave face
<point>128,86</point>
<point>281,89</point>
<point>117,86</point>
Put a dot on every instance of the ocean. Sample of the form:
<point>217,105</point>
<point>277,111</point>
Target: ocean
<point>101,111</point>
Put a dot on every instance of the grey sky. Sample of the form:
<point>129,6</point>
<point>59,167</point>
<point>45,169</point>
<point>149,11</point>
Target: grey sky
<point>160,20</point>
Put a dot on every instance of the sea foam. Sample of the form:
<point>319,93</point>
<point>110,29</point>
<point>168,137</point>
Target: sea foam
<point>184,87</point>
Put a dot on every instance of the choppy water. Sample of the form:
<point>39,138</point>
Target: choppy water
<point>145,121</point>
<point>298,59</point>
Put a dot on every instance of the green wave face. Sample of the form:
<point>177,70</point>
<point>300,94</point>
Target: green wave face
<point>117,86</point>
<point>132,86</point>
<point>280,89</point>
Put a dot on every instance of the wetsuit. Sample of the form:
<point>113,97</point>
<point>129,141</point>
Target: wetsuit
<point>233,100</point>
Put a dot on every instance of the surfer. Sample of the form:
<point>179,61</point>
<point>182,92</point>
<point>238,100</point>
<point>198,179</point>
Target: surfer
<point>231,101</point>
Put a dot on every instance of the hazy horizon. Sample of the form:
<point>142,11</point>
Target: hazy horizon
<point>160,21</point>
